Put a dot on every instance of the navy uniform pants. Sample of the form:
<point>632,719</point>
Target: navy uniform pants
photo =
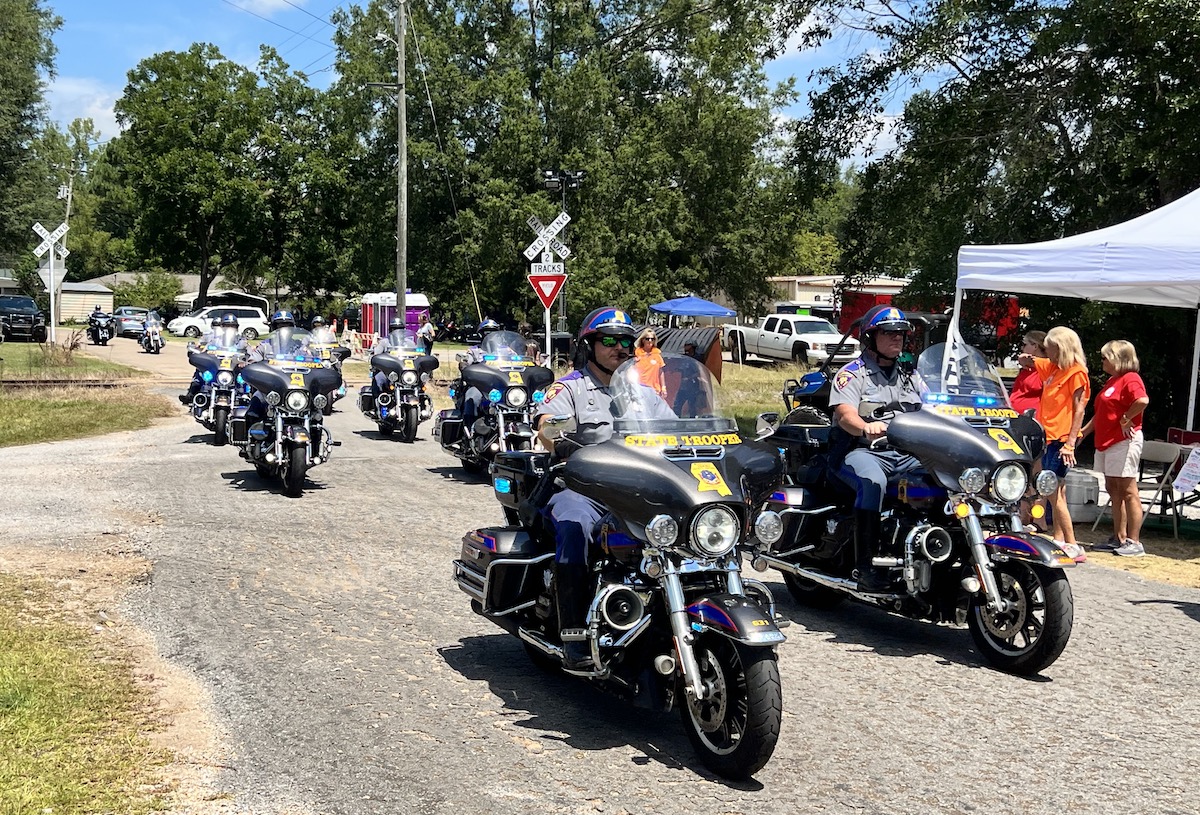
<point>575,518</point>
<point>867,473</point>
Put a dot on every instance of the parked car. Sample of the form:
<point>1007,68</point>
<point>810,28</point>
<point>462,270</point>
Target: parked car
<point>21,319</point>
<point>129,321</point>
<point>251,321</point>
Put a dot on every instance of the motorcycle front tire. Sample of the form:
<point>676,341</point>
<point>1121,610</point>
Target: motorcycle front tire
<point>220,426</point>
<point>293,474</point>
<point>1018,642</point>
<point>411,420</point>
<point>735,730</point>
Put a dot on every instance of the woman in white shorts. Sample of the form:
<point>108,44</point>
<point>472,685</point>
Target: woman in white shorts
<point>1117,423</point>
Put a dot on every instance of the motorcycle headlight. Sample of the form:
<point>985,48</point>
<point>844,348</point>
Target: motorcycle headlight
<point>1009,482</point>
<point>662,530</point>
<point>768,527</point>
<point>225,379</point>
<point>393,377</point>
<point>409,378</point>
<point>1046,483</point>
<point>296,401</point>
<point>516,397</point>
<point>715,531</point>
<point>972,480</point>
<point>273,398</point>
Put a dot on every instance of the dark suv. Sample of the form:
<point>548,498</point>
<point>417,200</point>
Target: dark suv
<point>21,319</point>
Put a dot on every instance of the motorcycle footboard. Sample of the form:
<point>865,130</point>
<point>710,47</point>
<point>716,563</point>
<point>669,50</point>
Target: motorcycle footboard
<point>1028,548</point>
<point>735,617</point>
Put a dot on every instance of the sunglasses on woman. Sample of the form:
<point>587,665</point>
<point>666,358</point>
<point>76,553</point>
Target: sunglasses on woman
<point>648,339</point>
<point>613,342</point>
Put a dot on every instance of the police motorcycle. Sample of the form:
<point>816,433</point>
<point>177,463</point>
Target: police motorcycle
<point>152,341</point>
<point>494,399</point>
<point>671,622</point>
<point>325,346</point>
<point>400,403</point>
<point>292,388</point>
<point>952,539</point>
<point>99,327</point>
<point>218,362</point>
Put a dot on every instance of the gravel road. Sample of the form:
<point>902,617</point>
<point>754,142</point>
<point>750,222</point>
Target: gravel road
<point>349,676</point>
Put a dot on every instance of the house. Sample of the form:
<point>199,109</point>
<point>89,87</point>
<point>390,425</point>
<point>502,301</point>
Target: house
<point>76,301</point>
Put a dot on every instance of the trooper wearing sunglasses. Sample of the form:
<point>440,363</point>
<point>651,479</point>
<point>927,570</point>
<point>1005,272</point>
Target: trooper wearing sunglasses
<point>607,335</point>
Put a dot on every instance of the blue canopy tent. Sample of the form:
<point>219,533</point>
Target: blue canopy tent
<point>691,307</point>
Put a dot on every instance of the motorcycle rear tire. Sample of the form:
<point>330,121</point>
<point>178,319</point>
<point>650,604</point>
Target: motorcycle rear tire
<point>810,594</point>
<point>411,420</point>
<point>293,474</point>
<point>735,730</point>
<point>220,426</point>
<point>1004,640</point>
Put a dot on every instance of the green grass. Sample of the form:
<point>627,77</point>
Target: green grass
<point>29,416</point>
<point>70,716</point>
<point>26,360</point>
<point>748,390</point>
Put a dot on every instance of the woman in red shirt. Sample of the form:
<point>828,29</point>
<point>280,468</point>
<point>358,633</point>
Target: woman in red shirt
<point>1026,391</point>
<point>1065,391</point>
<point>1117,424</point>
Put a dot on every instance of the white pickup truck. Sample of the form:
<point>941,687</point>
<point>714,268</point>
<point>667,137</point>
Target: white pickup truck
<point>802,339</point>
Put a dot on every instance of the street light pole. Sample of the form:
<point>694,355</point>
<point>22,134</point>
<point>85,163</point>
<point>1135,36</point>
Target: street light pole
<point>562,180</point>
<point>401,170</point>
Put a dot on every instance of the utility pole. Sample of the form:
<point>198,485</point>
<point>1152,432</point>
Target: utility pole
<point>402,170</point>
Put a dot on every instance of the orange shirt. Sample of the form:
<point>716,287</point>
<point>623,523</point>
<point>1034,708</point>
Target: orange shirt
<point>649,366</point>
<point>1056,410</point>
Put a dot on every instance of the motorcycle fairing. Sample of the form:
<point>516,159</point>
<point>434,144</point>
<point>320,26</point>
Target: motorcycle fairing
<point>266,378</point>
<point>737,618</point>
<point>945,442</point>
<point>487,378</point>
<point>390,363</point>
<point>1028,548</point>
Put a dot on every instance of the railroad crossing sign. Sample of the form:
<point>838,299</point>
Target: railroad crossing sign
<point>51,239</point>
<point>547,237</point>
<point>547,286</point>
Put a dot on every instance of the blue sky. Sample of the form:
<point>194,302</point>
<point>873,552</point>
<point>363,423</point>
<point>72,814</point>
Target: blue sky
<point>101,40</point>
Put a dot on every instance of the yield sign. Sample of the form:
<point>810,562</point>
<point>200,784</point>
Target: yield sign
<point>547,286</point>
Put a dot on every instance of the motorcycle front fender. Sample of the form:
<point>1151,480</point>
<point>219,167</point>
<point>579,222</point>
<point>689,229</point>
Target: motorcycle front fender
<point>296,433</point>
<point>1027,548</point>
<point>738,618</point>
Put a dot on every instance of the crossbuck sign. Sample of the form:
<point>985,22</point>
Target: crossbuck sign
<point>547,237</point>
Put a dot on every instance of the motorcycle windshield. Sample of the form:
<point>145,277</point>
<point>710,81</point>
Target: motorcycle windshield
<point>501,348</point>
<point>680,396</point>
<point>324,336</point>
<point>291,343</point>
<point>153,320</point>
<point>965,377</point>
<point>225,338</point>
<point>401,339</point>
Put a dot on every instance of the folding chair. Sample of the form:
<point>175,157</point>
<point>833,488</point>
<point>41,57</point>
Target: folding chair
<point>1164,455</point>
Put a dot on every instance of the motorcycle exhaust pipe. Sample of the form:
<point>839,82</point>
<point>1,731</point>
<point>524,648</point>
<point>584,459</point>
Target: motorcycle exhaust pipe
<point>934,542</point>
<point>620,607</point>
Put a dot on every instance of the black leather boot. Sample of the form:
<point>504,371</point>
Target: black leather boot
<point>866,540</point>
<point>570,593</point>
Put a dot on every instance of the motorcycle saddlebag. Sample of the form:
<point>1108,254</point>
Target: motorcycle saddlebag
<point>515,474</point>
<point>500,568</point>
<point>447,427</point>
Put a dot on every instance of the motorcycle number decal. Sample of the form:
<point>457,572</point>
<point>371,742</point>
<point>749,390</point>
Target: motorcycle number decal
<point>514,378</point>
<point>297,380</point>
<point>408,365</point>
<point>709,479</point>
<point>226,363</point>
<point>1005,441</point>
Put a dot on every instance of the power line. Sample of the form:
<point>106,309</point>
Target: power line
<point>272,22</point>
<point>309,13</point>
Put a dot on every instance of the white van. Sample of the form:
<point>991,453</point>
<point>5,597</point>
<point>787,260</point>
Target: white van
<point>251,321</point>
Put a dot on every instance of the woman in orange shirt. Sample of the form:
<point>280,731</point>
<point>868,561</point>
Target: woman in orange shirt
<point>650,361</point>
<point>1065,393</point>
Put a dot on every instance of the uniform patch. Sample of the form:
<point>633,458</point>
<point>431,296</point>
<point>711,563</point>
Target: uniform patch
<point>554,390</point>
<point>842,379</point>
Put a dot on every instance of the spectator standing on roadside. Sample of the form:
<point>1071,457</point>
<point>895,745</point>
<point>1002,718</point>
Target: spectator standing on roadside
<point>425,334</point>
<point>650,361</point>
<point>1117,424</point>
<point>1026,391</point>
<point>1065,392</point>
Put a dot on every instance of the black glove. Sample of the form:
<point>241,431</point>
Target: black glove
<point>566,444</point>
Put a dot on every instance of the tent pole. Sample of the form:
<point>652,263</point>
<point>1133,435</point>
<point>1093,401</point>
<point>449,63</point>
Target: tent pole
<point>1195,369</point>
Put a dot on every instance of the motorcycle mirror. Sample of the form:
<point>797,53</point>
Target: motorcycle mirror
<point>867,410</point>
<point>766,423</point>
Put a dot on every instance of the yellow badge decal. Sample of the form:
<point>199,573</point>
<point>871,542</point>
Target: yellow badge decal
<point>514,378</point>
<point>1005,441</point>
<point>710,480</point>
<point>297,380</point>
<point>408,364</point>
<point>226,363</point>
<point>554,390</point>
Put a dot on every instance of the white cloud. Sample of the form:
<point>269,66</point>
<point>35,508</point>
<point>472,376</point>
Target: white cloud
<point>73,98</point>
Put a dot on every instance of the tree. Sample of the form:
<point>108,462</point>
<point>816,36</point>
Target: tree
<point>193,123</point>
<point>156,289</point>
<point>26,51</point>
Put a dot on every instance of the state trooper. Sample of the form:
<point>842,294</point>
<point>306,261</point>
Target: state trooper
<point>876,376</point>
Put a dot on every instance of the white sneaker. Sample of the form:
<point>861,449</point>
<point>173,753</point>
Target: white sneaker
<point>1075,552</point>
<point>1130,549</point>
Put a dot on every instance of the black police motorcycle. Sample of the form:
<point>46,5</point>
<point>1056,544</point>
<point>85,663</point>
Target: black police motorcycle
<point>401,404</point>
<point>671,621</point>
<point>219,363</point>
<point>151,340</point>
<point>99,328</point>
<point>325,346</point>
<point>952,539</point>
<point>290,436</point>
<point>509,385</point>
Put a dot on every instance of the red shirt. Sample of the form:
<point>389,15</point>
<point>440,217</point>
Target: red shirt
<point>1112,402</point>
<point>1026,390</point>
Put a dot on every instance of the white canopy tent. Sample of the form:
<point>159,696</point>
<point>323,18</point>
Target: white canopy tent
<point>1152,260</point>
